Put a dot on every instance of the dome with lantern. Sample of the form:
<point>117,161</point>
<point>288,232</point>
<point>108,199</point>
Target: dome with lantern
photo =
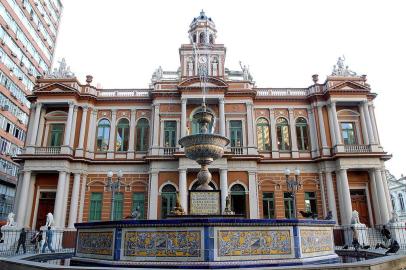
<point>202,30</point>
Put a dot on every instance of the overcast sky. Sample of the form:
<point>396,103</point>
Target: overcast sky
<point>283,42</point>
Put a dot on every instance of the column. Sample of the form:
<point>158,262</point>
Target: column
<point>223,188</point>
<point>375,199</point>
<point>79,150</point>
<point>293,135</point>
<point>183,119</point>
<point>387,195</point>
<point>92,132</point>
<point>30,197</point>
<point>112,138</point>
<point>18,192</point>
<point>274,139</point>
<point>73,211</point>
<point>58,208</point>
<point>363,125</point>
<point>153,196</point>
<point>331,124</point>
<point>68,126</point>
<point>373,121</point>
<point>65,200</point>
<point>253,194</point>
<point>82,198</point>
<point>30,124</point>
<point>131,143</point>
<point>222,118</point>
<point>22,204</point>
<point>336,124</point>
<point>73,129</point>
<point>183,189</point>
<point>381,196</point>
<point>368,122</point>
<point>155,131</point>
<point>313,133</point>
<point>323,197</point>
<point>34,134</point>
<point>331,198</point>
<point>250,128</point>
<point>324,145</point>
<point>345,202</point>
<point>40,127</point>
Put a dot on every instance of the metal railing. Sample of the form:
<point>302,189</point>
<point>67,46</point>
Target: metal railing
<point>52,150</point>
<point>12,242</point>
<point>357,148</point>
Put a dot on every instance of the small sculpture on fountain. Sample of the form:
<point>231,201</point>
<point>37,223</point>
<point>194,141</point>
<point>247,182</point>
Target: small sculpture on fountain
<point>178,209</point>
<point>355,217</point>
<point>228,210</point>
<point>50,220</point>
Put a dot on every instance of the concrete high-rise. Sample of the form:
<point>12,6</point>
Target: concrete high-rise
<point>28,34</point>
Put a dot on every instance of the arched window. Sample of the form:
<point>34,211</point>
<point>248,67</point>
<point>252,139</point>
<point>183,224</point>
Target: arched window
<point>264,141</point>
<point>142,135</point>
<point>123,129</point>
<point>211,39</point>
<point>168,199</point>
<point>302,134</point>
<point>282,130</point>
<point>238,201</point>
<point>392,199</point>
<point>196,126</point>
<point>103,135</point>
<point>401,202</point>
<point>194,38</point>
<point>202,37</point>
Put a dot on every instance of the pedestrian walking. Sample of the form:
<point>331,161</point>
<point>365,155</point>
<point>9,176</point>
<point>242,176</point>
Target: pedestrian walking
<point>48,241</point>
<point>21,240</point>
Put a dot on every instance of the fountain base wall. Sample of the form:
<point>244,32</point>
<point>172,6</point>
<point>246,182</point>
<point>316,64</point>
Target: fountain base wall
<point>201,242</point>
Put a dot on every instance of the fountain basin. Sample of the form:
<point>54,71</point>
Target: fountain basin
<point>204,147</point>
<point>203,242</point>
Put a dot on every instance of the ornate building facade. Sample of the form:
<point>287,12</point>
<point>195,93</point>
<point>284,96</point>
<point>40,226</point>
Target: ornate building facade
<point>28,35</point>
<point>78,133</point>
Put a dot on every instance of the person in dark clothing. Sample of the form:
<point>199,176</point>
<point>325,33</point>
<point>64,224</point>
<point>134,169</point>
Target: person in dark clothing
<point>36,240</point>
<point>48,241</point>
<point>21,240</point>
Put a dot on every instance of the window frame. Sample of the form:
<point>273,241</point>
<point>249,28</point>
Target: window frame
<point>172,133</point>
<point>354,130</point>
<point>99,148</point>
<point>266,202</point>
<point>281,129</point>
<point>142,131</point>
<point>302,134</point>
<point>265,146</point>
<point>95,212</point>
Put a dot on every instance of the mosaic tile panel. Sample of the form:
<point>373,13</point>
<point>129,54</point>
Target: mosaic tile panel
<point>253,242</point>
<point>316,240</point>
<point>95,243</point>
<point>162,243</point>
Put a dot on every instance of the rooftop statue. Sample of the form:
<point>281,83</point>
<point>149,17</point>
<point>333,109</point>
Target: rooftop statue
<point>62,72</point>
<point>246,72</point>
<point>341,70</point>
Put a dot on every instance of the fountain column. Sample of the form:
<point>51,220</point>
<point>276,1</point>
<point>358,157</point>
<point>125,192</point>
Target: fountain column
<point>223,188</point>
<point>183,189</point>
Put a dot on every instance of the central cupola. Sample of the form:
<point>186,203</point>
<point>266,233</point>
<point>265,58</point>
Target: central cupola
<point>202,31</point>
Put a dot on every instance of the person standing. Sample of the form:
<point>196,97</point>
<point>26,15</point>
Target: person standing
<point>21,240</point>
<point>48,241</point>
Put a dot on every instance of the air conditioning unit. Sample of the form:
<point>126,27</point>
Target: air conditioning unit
<point>30,73</point>
<point>20,121</point>
<point>13,54</point>
<point>3,42</point>
<point>20,78</point>
<point>7,26</point>
<point>12,94</point>
<point>21,63</point>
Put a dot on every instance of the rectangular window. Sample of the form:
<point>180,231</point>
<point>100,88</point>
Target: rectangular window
<point>348,132</point>
<point>310,202</point>
<point>96,199</point>
<point>170,134</point>
<point>56,134</point>
<point>236,133</point>
<point>139,201</point>
<point>268,203</point>
<point>288,202</point>
<point>118,206</point>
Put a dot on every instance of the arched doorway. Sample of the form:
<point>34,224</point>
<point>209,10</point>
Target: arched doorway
<point>238,199</point>
<point>168,199</point>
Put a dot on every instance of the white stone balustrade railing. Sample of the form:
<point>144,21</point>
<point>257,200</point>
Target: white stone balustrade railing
<point>283,92</point>
<point>168,151</point>
<point>357,148</point>
<point>52,150</point>
<point>124,93</point>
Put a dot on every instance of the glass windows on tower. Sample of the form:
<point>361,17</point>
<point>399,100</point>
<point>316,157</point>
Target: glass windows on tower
<point>348,132</point>
<point>103,135</point>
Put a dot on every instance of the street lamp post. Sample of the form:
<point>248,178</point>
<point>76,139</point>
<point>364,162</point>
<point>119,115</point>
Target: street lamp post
<point>113,186</point>
<point>293,185</point>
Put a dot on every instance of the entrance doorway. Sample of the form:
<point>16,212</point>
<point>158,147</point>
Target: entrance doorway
<point>360,203</point>
<point>238,200</point>
<point>46,204</point>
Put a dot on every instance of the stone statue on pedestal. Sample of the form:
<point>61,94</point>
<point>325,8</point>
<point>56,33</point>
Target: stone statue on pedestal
<point>178,210</point>
<point>10,220</point>
<point>228,210</point>
<point>50,220</point>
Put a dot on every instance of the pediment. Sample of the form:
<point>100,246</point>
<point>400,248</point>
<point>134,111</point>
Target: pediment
<point>349,86</point>
<point>55,87</point>
<point>211,82</point>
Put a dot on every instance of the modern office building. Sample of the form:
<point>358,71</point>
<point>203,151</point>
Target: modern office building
<point>28,35</point>
<point>78,133</point>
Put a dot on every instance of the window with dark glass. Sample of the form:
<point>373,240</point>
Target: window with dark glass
<point>310,202</point>
<point>95,206</point>
<point>264,141</point>
<point>236,133</point>
<point>118,206</point>
<point>268,205</point>
<point>348,131</point>
<point>401,202</point>
<point>168,200</point>
<point>238,199</point>
<point>139,202</point>
<point>170,133</point>
<point>392,199</point>
<point>142,135</point>
<point>56,134</point>
<point>282,131</point>
<point>123,130</point>
<point>103,135</point>
<point>302,134</point>
<point>288,203</point>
